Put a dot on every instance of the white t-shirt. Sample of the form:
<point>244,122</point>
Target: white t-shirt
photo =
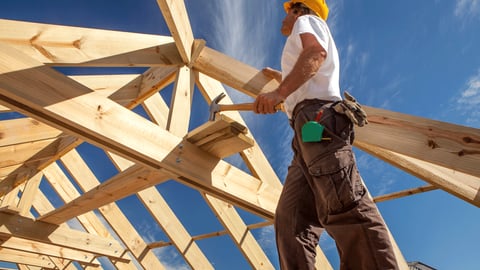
<point>325,84</point>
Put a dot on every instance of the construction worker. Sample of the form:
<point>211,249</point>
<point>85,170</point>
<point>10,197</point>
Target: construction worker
<point>323,189</point>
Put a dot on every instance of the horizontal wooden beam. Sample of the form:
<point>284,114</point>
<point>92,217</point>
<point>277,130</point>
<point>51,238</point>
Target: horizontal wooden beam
<point>76,46</point>
<point>26,258</point>
<point>22,227</point>
<point>49,250</point>
<point>403,193</point>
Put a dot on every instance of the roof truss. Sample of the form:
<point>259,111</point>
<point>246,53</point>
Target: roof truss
<point>66,111</point>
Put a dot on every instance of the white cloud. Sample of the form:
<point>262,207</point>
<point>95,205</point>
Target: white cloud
<point>468,102</point>
<point>467,8</point>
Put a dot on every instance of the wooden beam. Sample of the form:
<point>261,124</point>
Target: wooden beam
<point>25,130</point>
<point>176,17</point>
<point>49,250</point>
<point>26,258</point>
<point>403,193</point>
<point>86,180</point>
<point>70,106</point>
<point>18,154</point>
<point>448,145</point>
<point>233,73</point>
<point>157,109</point>
<point>221,138</point>
<point>30,190</point>
<point>18,226</point>
<point>181,104</point>
<point>76,46</point>
<point>464,186</point>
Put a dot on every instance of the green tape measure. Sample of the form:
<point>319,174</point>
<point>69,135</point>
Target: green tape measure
<point>312,131</point>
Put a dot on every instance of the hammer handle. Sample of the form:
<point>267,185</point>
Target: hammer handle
<point>243,107</point>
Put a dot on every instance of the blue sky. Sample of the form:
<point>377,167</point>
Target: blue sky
<point>414,57</point>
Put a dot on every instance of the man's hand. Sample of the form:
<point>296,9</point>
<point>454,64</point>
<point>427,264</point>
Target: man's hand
<point>265,103</point>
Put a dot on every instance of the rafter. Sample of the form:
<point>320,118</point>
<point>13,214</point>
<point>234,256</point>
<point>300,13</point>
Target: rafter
<point>76,46</point>
<point>176,17</point>
<point>14,225</point>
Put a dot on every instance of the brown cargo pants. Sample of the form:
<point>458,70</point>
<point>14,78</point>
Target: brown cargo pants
<point>324,191</point>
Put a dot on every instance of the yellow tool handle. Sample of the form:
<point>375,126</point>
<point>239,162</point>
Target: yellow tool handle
<point>244,107</point>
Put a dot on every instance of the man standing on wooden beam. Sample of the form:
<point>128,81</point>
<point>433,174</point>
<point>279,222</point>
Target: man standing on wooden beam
<point>323,189</point>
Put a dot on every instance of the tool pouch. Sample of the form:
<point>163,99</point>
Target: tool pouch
<point>352,109</point>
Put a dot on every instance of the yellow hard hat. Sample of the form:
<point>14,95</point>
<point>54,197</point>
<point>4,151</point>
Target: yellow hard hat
<point>318,6</point>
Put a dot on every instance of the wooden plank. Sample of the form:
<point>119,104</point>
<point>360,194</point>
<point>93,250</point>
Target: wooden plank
<point>23,130</point>
<point>70,106</point>
<point>464,186</point>
<point>448,145</point>
<point>403,193</point>
<point>19,153</point>
<point>176,17</point>
<point>221,138</point>
<point>67,45</point>
<point>239,232</point>
<point>157,109</point>
<point>181,104</point>
<point>49,250</point>
<point>86,180</point>
<point>233,73</point>
<point>18,226</point>
<point>27,258</point>
<point>37,162</point>
<point>30,190</point>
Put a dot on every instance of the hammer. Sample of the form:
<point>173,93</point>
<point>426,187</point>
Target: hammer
<point>215,107</point>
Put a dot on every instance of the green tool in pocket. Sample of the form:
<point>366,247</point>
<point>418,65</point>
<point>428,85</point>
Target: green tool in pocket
<point>312,131</point>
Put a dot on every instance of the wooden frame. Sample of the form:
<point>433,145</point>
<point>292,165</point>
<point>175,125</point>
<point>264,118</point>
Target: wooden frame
<point>97,109</point>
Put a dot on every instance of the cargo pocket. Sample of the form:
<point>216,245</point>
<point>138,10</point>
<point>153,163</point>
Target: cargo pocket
<point>337,177</point>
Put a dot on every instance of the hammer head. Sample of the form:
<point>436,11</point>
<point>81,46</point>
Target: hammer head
<point>214,108</point>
